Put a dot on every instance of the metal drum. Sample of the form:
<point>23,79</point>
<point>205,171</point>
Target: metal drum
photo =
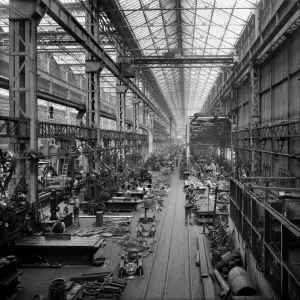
<point>57,289</point>
<point>240,282</point>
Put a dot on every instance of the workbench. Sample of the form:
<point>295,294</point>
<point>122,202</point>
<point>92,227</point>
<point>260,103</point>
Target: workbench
<point>77,250</point>
<point>122,204</point>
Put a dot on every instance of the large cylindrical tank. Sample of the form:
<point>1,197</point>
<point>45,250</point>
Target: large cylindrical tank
<point>240,282</point>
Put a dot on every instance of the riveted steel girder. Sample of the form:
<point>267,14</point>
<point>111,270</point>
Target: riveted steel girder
<point>69,23</point>
<point>161,60</point>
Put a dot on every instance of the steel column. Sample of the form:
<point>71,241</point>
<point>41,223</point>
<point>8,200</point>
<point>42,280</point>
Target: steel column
<point>188,143</point>
<point>151,119</point>
<point>24,17</point>
<point>145,115</point>
<point>234,143</point>
<point>135,115</point>
<point>93,68</point>
<point>255,118</point>
<point>120,117</point>
<point>135,120</point>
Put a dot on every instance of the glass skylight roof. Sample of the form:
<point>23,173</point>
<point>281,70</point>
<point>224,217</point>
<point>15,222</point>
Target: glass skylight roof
<point>190,27</point>
<point>186,27</point>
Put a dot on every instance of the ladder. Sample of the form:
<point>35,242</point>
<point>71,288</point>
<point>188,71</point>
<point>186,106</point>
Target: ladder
<point>217,191</point>
<point>65,168</point>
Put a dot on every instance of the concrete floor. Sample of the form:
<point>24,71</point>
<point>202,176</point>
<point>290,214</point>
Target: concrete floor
<point>170,272</point>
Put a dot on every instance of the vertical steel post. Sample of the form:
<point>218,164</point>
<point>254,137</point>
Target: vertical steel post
<point>145,114</point>
<point>120,117</point>
<point>93,70</point>
<point>170,131</point>
<point>135,119</point>
<point>24,18</point>
<point>235,143</point>
<point>255,119</point>
<point>188,143</point>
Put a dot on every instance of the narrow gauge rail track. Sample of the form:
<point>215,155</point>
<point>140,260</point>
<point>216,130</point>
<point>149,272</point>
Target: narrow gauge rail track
<point>164,296</point>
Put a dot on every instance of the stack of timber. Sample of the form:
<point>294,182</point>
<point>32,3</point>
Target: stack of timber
<point>206,269</point>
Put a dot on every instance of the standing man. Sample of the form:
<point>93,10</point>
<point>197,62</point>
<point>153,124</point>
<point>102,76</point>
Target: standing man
<point>188,205</point>
<point>209,185</point>
<point>188,210</point>
<point>202,178</point>
<point>214,170</point>
<point>76,212</point>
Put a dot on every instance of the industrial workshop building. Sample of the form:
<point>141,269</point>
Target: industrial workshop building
<point>150,140</point>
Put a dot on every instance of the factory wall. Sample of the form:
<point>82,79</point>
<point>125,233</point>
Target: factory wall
<point>279,92</point>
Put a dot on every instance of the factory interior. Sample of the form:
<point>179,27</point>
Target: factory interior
<point>150,149</point>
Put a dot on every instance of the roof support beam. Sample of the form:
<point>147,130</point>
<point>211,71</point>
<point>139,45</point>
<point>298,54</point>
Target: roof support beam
<point>64,19</point>
<point>181,9</point>
<point>193,59</point>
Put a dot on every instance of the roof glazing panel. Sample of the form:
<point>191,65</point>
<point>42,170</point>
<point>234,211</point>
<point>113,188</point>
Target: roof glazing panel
<point>161,27</point>
<point>197,27</point>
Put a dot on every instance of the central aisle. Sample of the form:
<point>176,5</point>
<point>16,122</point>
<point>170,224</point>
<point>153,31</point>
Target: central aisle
<point>170,272</point>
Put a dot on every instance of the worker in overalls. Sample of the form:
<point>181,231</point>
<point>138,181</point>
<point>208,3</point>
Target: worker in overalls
<point>214,170</point>
<point>76,212</point>
<point>188,210</point>
<point>188,205</point>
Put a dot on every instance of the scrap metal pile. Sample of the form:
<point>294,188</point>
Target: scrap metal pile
<point>112,226</point>
<point>222,264</point>
<point>95,286</point>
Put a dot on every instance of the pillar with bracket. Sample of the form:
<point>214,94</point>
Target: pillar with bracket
<point>120,116</point>
<point>145,114</point>
<point>151,119</point>
<point>23,89</point>
<point>135,119</point>
<point>151,125</point>
<point>93,68</point>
